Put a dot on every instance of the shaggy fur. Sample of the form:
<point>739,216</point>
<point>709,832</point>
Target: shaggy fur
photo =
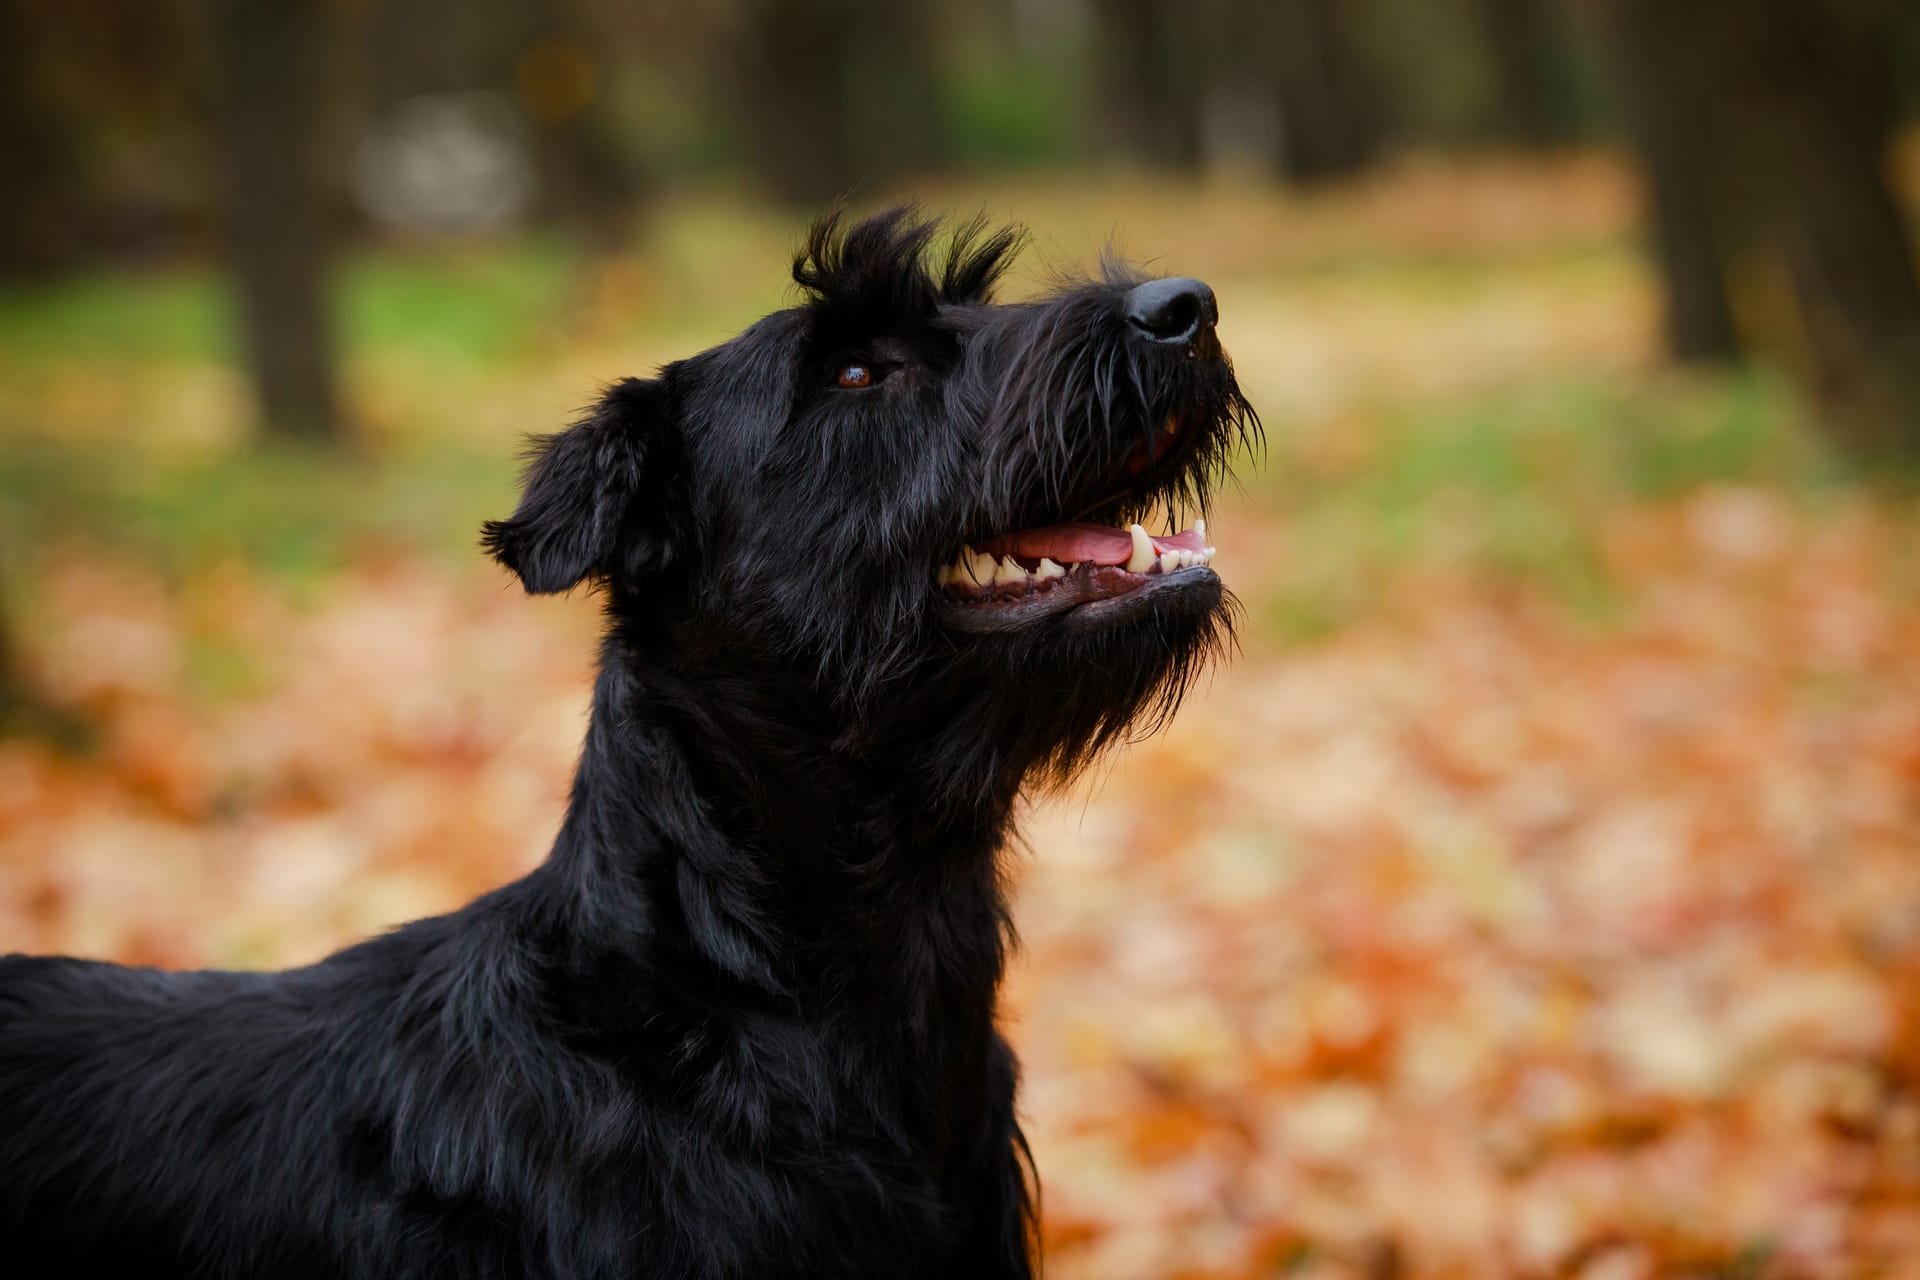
<point>741,1022</point>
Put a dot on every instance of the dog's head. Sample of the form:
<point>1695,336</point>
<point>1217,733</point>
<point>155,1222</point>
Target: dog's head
<point>967,521</point>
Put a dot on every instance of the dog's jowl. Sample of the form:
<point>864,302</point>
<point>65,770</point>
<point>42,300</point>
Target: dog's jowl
<point>870,569</point>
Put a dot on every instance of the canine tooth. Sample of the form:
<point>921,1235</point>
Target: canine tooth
<point>1200,527</point>
<point>1010,571</point>
<point>1048,569</point>
<point>1170,560</point>
<point>1143,553</point>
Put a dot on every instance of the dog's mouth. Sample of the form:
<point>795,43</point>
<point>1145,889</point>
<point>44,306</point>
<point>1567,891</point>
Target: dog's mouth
<point>1022,576</point>
<point>1101,563</point>
<point>1006,580</point>
<point>1040,560</point>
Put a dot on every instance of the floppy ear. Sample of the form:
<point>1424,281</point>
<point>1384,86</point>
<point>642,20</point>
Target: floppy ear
<point>582,512</point>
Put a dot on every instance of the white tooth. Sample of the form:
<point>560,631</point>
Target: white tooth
<point>1210,551</point>
<point>1010,571</point>
<point>1200,527</point>
<point>1048,569</point>
<point>1143,553</point>
<point>1169,561</point>
<point>980,566</point>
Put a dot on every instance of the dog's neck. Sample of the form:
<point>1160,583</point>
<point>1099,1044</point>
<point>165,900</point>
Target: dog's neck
<point>744,825</point>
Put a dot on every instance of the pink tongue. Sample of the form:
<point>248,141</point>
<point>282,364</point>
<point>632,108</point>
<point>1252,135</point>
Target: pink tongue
<point>1098,543</point>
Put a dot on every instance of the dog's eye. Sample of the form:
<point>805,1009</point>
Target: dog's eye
<point>854,376</point>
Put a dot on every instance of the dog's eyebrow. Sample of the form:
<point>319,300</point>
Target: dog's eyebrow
<point>882,265</point>
<point>978,255</point>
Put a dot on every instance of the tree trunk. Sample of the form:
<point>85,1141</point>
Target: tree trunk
<point>834,96</point>
<point>1523,42</point>
<point>1329,118</point>
<point>1671,93</point>
<point>890,82</point>
<point>1149,84</point>
<point>36,155</point>
<point>1820,112</point>
<point>267,56</point>
<point>1765,129</point>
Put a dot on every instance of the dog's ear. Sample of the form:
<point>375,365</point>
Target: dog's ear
<point>584,511</point>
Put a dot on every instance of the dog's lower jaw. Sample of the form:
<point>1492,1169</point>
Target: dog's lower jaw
<point>1105,595</point>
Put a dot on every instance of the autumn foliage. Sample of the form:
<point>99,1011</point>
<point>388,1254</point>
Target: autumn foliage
<point>1537,895</point>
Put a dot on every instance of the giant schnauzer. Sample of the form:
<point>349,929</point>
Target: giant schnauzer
<point>870,568</point>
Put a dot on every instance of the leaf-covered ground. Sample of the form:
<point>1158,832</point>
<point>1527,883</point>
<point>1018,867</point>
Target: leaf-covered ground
<point>1476,944</point>
<point>1537,895</point>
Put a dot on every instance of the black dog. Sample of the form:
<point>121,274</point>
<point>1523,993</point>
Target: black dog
<point>868,571</point>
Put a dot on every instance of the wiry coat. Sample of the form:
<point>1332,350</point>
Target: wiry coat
<point>741,1022</point>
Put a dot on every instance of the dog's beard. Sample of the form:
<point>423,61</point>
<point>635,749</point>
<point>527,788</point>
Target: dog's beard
<point>1102,440</point>
<point>1092,436</point>
<point>1087,426</point>
<point>1080,635</point>
<point>1038,704</point>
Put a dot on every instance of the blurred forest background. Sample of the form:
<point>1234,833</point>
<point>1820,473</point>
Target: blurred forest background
<point>1538,895</point>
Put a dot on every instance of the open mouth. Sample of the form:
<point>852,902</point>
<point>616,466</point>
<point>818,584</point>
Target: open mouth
<point>1067,565</point>
<point>1099,563</point>
<point>1003,580</point>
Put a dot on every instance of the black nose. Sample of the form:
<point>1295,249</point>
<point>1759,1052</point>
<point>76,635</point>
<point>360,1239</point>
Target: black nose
<point>1170,311</point>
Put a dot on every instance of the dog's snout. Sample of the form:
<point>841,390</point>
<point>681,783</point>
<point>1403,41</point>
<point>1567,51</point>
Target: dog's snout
<point>1172,311</point>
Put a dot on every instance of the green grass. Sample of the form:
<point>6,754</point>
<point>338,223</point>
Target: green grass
<point>473,304</point>
<point>1514,484</point>
<point>177,314</point>
<point>1512,480</point>
<point>477,305</point>
<point>293,511</point>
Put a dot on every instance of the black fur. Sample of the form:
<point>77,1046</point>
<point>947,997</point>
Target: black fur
<point>741,1022</point>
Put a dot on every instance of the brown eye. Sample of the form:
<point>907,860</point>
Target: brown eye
<point>855,376</point>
